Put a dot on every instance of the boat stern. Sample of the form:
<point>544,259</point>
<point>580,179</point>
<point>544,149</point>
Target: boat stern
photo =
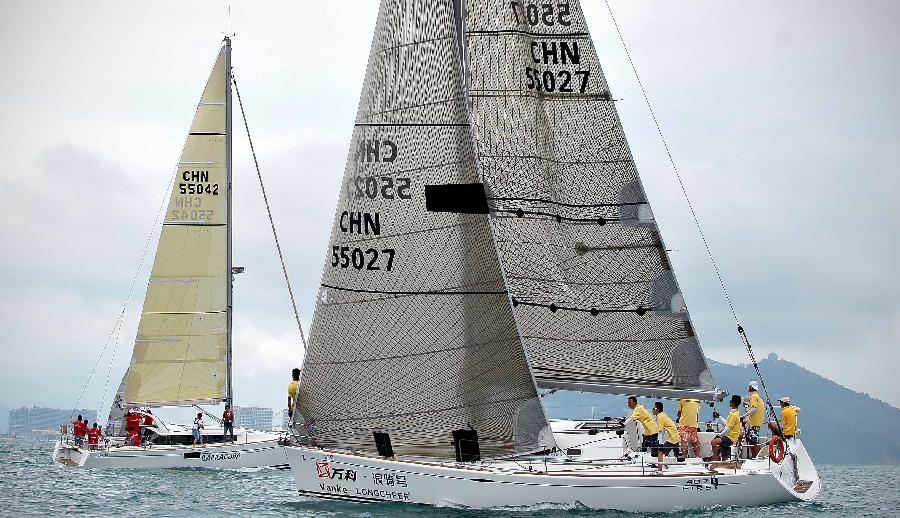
<point>66,453</point>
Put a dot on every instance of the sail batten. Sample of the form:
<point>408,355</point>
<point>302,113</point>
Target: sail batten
<point>180,351</point>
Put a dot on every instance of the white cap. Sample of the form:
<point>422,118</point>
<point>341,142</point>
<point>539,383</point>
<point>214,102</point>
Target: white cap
<point>754,385</point>
<point>785,399</point>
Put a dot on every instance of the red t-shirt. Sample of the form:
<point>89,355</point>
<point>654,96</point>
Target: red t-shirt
<point>133,422</point>
<point>94,436</point>
<point>228,416</point>
<point>148,420</point>
<point>79,428</point>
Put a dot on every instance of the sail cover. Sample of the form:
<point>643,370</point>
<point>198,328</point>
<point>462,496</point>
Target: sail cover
<point>180,351</point>
<point>596,299</point>
<point>413,333</point>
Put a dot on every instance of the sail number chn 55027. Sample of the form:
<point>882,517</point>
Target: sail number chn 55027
<point>550,52</point>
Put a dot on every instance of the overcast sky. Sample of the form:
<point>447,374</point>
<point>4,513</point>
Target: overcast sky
<point>782,116</point>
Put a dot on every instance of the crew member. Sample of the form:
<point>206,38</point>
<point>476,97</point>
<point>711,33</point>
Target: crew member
<point>93,437</point>
<point>788,419</point>
<point>650,442</point>
<point>227,423</point>
<point>148,421</point>
<point>195,430</point>
<point>79,429</point>
<point>670,442</point>
<point>730,434</point>
<point>688,422</point>
<point>293,391</point>
<point>756,412</point>
<point>132,422</point>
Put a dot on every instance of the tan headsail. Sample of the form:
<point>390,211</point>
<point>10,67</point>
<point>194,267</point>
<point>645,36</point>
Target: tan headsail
<point>181,349</point>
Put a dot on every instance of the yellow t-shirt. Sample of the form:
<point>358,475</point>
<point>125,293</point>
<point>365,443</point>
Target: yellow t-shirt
<point>789,420</point>
<point>690,412</point>
<point>665,422</point>
<point>639,413</point>
<point>293,387</point>
<point>734,425</point>
<point>757,418</point>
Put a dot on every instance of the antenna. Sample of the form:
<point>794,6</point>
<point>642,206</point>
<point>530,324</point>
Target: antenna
<point>228,32</point>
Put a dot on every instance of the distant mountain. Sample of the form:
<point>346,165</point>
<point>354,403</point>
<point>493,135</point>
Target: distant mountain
<point>838,425</point>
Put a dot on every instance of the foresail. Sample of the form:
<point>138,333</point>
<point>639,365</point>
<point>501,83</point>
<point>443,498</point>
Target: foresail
<point>116,420</point>
<point>596,298</point>
<point>180,351</point>
<point>413,333</point>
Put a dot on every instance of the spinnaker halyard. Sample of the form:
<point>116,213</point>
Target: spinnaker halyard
<point>492,236</point>
<point>182,351</point>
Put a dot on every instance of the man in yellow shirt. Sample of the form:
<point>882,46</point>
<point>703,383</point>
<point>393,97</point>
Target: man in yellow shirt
<point>730,434</point>
<point>788,419</point>
<point>670,442</point>
<point>640,414</point>
<point>293,391</point>
<point>756,413</point>
<point>688,422</point>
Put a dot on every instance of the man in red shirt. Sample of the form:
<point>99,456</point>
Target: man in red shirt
<point>132,422</point>
<point>148,421</point>
<point>227,423</point>
<point>94,437</point>
<point>79,429</point>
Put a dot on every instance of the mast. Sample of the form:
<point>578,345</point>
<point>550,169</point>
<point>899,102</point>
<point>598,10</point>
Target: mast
<point>229,273</point>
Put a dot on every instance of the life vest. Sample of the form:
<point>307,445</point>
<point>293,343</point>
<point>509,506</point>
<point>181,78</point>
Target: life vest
<point>776,449</point>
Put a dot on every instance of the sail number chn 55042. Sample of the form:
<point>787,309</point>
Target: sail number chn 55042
<point>197,182</point>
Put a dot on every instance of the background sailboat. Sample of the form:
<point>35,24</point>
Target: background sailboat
<point>182,351</point>
<point>492,237</point>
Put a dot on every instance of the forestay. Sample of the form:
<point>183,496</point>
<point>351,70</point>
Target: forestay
<point>413,332</point>
<point>181,346</point>
<point>596,298</point>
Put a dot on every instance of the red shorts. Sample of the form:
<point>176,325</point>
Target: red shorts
<point>688,434</point>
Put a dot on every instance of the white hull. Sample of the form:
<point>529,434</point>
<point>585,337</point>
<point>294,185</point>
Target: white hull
<point>582,483</point>
<point>265,451</point>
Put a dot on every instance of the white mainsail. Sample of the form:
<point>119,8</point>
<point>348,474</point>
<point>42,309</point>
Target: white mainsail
<point>413,334</point>
<point>181,352</point>
<point>596,297</point>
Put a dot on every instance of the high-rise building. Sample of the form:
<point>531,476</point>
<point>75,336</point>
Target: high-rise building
<point>42,420</point>
<point>253,417</point>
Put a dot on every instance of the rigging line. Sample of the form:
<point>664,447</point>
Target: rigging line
<point>674,168</point>
<point>709,254</point>
<point>112,360</point>
<point>119,321</point>
<point>269,212</point>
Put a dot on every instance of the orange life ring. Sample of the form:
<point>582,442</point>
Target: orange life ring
<point>776,449</point>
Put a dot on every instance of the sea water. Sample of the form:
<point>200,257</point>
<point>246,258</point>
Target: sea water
<point>31,485</point>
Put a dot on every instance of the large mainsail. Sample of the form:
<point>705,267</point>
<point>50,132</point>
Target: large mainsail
<point>413,333</point>
<point>182,346</point>
<point>596,298</point>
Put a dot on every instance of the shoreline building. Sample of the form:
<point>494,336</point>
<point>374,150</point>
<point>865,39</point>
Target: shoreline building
<point>253,417</point>
<point>45,421</point>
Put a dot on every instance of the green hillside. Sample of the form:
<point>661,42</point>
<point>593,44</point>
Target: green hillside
<point>839,426</point>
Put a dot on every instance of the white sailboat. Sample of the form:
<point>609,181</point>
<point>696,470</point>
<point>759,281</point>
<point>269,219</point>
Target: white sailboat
<point>492,238</point>
<point>182,352</point>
